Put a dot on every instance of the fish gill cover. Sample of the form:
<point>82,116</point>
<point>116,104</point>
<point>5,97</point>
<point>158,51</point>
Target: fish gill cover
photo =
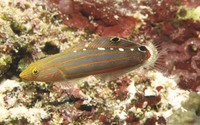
<point>41,28</point>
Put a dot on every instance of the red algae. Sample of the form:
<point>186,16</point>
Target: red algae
<point>161,121</point>
<point>179,37</point>
<point>151,100</point>
<point>150,121</point>
<point>121,90</point>
<point>154,121</point>
<point>99,17</point>
<point>190,3</point>
<point>132,119</point>
<point>104,120</point>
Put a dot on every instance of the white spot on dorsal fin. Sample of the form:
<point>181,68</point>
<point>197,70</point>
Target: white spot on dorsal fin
<point>84,49</point>
<point>74,51</point>
<point>101,48</point>
<point>111,49</point>
<point>132,49</point>
<point>121,49</point>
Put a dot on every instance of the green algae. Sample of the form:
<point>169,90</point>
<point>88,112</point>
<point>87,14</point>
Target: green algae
<point>188,115</point>
<point>185,13</point>
<point>5,61</point>
<point>18,28</point>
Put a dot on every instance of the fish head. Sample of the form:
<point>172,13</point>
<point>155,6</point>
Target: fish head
<point>143,51</point>
<point>39,72</point>
<point>30,73</point>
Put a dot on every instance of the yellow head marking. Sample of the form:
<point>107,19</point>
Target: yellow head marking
<point>31,72</point>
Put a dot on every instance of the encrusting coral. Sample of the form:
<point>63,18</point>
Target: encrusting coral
<point>41,28</point>
<point>190,114</point>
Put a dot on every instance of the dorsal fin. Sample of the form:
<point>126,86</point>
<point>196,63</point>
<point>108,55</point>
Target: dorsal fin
<point>105,42</point>
<point>111,42</point>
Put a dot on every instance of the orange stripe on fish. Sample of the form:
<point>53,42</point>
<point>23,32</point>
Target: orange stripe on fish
<point>75,59</point>
<point>98,71</point>
<point>99,62</point>
<point>94,72</point>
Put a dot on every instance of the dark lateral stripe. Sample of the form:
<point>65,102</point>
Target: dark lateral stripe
<point>98,62</point>
<point>82,57</point>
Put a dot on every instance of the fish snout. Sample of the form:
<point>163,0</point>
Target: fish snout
<point>22,75</point>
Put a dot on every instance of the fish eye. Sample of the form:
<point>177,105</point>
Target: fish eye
<point>35,71</point>
<point>115,39</point>
<point>142,49</point>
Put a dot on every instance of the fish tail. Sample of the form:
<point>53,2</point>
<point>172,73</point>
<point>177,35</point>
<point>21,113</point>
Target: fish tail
<point>160,62</point>
<point>156,61</point>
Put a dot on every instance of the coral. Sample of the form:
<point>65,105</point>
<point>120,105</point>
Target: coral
<point>186,66</point>
<point>142,103</point>
<point>133,102</point>
<point>12,107</point>
<point>189,114</point>
<point>24,35</point>
<point>189,13</point>
<point>5,61</point>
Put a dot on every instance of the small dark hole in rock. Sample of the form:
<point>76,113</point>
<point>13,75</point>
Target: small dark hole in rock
<point>198,112</point>
<point>182,12</point>
<point>86,108</point>
<point>17,28</point>
<point>49,48</point>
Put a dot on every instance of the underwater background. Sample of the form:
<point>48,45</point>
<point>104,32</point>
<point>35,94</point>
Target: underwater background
<point>33,29</point>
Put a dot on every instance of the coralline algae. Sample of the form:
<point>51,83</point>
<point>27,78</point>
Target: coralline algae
<point>140,97</point>
<point>101,17</point>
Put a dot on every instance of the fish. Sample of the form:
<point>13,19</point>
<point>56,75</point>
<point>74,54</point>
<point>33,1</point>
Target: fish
<point>105,55</point>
